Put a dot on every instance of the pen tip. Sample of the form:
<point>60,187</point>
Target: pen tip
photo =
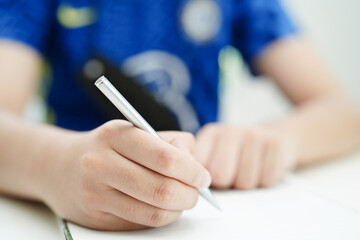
<point>207,195</point>
<point>216,204</point>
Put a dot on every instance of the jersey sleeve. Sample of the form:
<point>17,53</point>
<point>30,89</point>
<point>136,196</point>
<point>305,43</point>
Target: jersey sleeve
<point>257,23</point>
<point>27,21</point>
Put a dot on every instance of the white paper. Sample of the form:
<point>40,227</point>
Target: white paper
<point>287,211</point>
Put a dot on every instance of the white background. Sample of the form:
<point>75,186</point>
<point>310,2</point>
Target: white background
<point>333,29</point>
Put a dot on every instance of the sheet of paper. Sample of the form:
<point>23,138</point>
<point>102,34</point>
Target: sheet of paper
<point>284,212</point>
<point>338,181</point>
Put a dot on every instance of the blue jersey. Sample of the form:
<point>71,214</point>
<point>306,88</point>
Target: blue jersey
<point>169,47</point>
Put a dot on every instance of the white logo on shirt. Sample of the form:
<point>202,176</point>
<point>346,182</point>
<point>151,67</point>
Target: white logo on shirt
<point>201,20</point>
<point>168,79</point>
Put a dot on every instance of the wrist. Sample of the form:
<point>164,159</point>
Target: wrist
<point>289,142</point>
<point>54,145</point>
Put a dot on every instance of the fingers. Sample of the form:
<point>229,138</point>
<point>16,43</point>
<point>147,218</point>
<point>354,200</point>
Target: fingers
<point>135,211</point>
<point>224,160</point>
<point>249,167</point>
<point>123,178</point>
<point>262,162</point>
<point>273,161</point>
<point>148,186</point>
<point>205,142</point>
<point>243,158</point>
<point>159,156</point>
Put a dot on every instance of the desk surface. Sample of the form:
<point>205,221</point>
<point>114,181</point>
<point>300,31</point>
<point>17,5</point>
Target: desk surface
<point>338,182</point>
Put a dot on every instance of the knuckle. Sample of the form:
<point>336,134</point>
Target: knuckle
<point>130,211</point>
<point>228,129</point>
<point>166,160</point>
<point>107,129</point>
<point>110,128</point>
<point>129,178</point>
<point>234,133</point>
<point>254,137</point>
<point>88,196</point>
<point>251,134</point>
<point>89,162</point>
<point>164,194</point>
<point>271,138</point>
<point>158,218</point>
<point>210,127</point>
<point>92,165</point>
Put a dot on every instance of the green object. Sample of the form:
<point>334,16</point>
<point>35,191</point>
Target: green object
<point>71,17</point>
<point>66,230</point>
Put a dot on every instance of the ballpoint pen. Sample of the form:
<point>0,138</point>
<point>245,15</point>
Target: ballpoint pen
<point>138,121</point>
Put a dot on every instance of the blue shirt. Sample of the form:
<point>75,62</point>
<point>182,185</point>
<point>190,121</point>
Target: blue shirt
<point>170,47</point>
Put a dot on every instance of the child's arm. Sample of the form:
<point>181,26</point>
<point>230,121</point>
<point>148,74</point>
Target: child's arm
<point>115,177</point>
<point>324,124</point>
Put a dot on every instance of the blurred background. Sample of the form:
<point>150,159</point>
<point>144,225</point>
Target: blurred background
<point>332,28</point>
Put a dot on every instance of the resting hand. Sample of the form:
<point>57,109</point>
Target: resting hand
<point>243,158</point>
<point>118,177</point>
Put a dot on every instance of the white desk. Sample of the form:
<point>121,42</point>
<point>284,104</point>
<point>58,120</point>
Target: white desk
<point>338,182</point>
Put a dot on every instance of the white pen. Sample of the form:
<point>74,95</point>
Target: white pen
<point>138,121</point>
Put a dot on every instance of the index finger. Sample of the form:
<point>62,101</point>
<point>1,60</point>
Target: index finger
<point>159,156</point>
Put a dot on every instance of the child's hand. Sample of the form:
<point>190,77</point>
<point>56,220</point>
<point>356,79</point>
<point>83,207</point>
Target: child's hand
<point>243,158</point>
<point>118,177</point>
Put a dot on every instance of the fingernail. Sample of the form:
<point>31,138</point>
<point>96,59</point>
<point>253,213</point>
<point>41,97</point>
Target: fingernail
<point>204,181</point>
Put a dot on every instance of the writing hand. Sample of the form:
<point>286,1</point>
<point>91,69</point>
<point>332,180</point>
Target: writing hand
<point>118,177</point>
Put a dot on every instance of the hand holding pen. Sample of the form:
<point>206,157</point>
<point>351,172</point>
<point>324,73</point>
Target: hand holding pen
<point>138,121</point>
<point>119,177</point>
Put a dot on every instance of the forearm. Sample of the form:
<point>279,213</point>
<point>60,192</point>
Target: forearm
<point>27,155</point>
<point>325,124</point>
<point>322,128</point>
